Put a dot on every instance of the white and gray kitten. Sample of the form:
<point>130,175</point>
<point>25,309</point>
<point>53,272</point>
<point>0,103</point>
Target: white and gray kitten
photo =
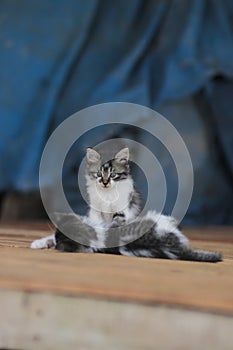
<point>110,189</point>
<point>151,236</point>
<point>111,193</point>
<point>113,224</point>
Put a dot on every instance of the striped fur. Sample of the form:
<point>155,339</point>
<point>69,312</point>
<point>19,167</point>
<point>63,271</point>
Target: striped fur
<point>113,224</point>
<point>147,237</point>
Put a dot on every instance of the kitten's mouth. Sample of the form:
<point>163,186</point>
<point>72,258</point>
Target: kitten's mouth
<point>105,185</point>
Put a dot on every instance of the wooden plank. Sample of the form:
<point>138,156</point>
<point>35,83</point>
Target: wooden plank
<point>152,281</point>
<point>43,321</point>
<point>210,234</point>
<point>10,233</point>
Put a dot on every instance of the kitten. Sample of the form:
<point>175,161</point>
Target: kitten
<point>111,193</point>
<point>152,236</point>
<point>113,225</point>
<point>110,189</point>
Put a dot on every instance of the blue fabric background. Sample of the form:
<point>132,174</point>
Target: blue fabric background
<point>176,57</point>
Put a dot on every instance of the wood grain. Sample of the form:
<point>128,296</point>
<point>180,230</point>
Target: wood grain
<point>200,286</point>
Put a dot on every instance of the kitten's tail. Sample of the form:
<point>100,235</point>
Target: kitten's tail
<point>190,254</point>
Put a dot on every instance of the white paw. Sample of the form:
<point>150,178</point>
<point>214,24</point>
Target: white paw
<point>38,244</point>
<point>46,242</point>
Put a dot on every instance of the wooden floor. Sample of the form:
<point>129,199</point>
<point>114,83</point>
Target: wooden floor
<point>136,286</point>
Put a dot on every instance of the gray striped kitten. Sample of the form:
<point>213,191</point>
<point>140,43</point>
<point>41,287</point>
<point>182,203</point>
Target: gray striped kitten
<point>152,236</point>
<point>112,197</point>
<point>110,189</point>
<point>113,224</point>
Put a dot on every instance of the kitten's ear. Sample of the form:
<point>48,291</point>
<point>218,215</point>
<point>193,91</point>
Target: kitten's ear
<point>123,156</point>
<point>92,156</point>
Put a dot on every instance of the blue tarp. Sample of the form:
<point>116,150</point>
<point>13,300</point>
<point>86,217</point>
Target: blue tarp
<point>58,57</point>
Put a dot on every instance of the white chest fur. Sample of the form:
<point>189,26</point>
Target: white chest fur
<point>104,202</point>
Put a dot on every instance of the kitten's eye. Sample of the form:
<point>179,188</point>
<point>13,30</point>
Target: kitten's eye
<point>99,173</point>
<point>112,174</point>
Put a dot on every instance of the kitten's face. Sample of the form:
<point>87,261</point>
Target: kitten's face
<point>108,174</point>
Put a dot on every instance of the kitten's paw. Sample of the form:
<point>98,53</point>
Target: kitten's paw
<point>42,243</point>
<point>37,244</point>
<point>118,220</point>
